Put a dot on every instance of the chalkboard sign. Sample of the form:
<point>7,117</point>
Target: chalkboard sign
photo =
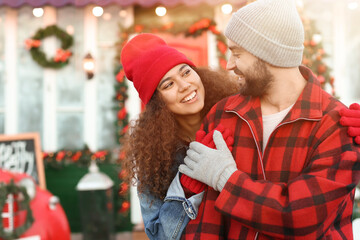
<point>22,153</point>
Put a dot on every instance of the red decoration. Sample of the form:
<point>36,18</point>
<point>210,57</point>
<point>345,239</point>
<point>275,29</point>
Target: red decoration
<point>60,155</point>
<point>321,69</point>
<point>124,207</point>
<point>76,156</point>
<point>321,51</point>
<point>139,28</point>
<point>122,155</point>
<point>62,55</point>
<point>203,23</point>
<point>120,76</point>
<point>168,26</point>
<point>332,79</point>
<point>119,96</point>
<point>124,187</point>
<point>124,35</point>
<point>122,174</point>
<point>32,43</point>
<point>122,113</point>
<point>321,79</point>
<point>214,30</point>
<point>100,154</point>
<point>124,130</point>
<point>222,47</point>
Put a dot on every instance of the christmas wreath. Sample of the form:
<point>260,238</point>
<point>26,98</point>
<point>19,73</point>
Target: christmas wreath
<point>62,55</point>
<point>24,204</point>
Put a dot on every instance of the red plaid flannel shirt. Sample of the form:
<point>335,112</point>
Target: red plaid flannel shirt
<point>301,187</point>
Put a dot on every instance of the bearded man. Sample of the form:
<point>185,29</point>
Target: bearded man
<point>292,171</point>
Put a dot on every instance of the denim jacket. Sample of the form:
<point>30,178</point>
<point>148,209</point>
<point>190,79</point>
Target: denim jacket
<point>167,219</point>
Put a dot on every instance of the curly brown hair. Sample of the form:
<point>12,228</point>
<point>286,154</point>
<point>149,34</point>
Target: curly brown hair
<point>154,138</point>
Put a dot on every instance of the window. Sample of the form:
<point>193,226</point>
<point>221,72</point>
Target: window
<point>66,108</point>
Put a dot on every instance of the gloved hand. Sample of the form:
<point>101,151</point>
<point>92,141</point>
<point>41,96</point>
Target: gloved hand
<point>210,166</point>
<point>351,118</point>
<point>190,184</point>
<point>207,139</point>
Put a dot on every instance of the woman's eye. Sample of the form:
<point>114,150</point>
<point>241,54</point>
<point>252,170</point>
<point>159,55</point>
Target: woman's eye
<point>168,85</point>
<point>186,72</point>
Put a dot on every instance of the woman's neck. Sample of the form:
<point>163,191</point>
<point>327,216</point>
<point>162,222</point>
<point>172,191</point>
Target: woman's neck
<point>189,126</point>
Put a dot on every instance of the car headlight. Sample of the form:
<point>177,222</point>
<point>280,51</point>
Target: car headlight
<point>29,185</point>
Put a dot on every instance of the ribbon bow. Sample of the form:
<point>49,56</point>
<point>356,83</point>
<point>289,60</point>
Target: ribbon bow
<point>62,55</point>
<point>32,43</point>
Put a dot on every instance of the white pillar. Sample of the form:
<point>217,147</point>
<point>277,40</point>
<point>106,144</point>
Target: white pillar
<point>90,91</point>
<point>49,91</point>
<point>11,90</point>
<point>133,106</point>
<point>213,60</point>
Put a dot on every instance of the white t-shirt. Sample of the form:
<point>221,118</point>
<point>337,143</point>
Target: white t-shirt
<point>270,122</point>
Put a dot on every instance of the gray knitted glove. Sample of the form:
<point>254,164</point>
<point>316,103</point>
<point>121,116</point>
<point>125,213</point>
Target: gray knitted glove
<point>210,166</point>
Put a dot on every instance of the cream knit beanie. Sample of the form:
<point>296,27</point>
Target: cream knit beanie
<point>269,29</point>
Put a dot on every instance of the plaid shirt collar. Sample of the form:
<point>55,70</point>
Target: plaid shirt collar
<point>308,105</point>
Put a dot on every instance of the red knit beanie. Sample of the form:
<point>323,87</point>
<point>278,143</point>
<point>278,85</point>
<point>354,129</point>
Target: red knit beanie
<point>146,59</point>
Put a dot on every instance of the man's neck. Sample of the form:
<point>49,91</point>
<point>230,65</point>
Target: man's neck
<point>287,85</point>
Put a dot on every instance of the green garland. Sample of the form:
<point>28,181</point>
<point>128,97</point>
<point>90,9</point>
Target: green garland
<point>82,158</point>
<point>39,56</point>
<point>11,188</point>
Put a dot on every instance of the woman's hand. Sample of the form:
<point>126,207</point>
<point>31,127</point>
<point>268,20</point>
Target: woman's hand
<point>351,118</point>
<point>210,166</point>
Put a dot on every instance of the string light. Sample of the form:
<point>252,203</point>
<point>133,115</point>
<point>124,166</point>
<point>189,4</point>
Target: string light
<point>123,13</point>
<point>107,16</point>
<point>300,4</point>
<point>160,11</point>
<point>226,8</point>
<point>38,12</point>
<point>317,38</point>
<point>98,11</point>
<point>70,29</point>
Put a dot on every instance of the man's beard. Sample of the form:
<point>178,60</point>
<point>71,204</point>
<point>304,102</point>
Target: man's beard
<point>257,80</point>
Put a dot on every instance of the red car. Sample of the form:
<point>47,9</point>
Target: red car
<point>49,221</point>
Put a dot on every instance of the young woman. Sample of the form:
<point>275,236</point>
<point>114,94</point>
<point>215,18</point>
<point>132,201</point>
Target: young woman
<point>177,96</point>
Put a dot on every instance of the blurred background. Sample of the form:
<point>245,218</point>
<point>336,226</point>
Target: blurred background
<point>61,77</point>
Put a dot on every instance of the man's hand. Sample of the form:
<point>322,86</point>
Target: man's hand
<point>210,166</point>
<point>192,185</point>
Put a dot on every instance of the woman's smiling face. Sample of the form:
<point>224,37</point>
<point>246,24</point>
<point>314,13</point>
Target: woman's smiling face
<point>182,90</point>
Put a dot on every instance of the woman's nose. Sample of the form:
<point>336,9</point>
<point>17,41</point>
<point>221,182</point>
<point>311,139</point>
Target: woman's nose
<point>183,85</point>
